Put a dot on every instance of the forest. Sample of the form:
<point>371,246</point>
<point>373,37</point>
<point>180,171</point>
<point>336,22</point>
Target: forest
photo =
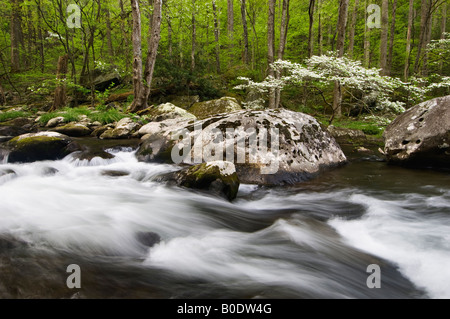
<point>366,57</point>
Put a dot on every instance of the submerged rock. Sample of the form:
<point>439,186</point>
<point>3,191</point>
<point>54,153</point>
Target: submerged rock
<point>218,178</point>
<point>39,147</point>
<point>421,136</point>
<point>272,147</point>
<point>203,110</point>
<point>148,239</point>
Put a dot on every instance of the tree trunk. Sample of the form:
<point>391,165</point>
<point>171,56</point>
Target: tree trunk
<point>151,57</point>
<point>245,31</point>
<point>284,27</point>
<point>366,39</point>
<point>60,91</point>
<point>312,4</point>
<point>216,36</point>
<point>351,43</point>
<point>384,35</point>
<point>230,19</point>
<point>137,54</point>
<point>2,96</point>
<point>391,41</point>
<point>271,49</point>
<point>194,35</point>
<point>16,34</point>
<point>425,16</point>
<point>108,36</point>
<point>408,39</point>
<point>443,28</point>
<point>342,23</point>
<point>319,28</point>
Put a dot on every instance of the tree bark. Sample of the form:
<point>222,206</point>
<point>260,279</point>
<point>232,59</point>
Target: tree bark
<point>384,35</point>
<point>425,17</point>
<point>194,35</point>
<point>216,36</point>
<point>443,28</point>
<point>271,49</point>
<point>366,39</point>
<point>408,39</point>
<point>151,57</point>
<point>245,31</point>
<point>230,19</point>
<point>16,34</point>
<point>108,36</point>
<point>137,54</point>
<point>60,91</point>
<point>342,23</point>
<point>312,4</point>
<point>351,43</point>
<point>319,28</point>
<point>391,41</point>
<point>284,28</point>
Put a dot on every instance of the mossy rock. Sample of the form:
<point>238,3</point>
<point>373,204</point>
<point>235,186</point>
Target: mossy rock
<point>218,178</point>
<point>39,147</point>
<point>165,112</point>
<point>73,129</point>
<point>203,110</point>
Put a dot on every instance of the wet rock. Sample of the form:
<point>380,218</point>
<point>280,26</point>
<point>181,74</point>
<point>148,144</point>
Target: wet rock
<point>148,239</point>
<point>203,110</point>
<point>5,172</point>
<point>218,178</point>
<point>271,147</point>
<point>421,136</point>
<point>114,173</point>
<point>12,131</point>
<point>346,135</point>
<point>73,129</point>
<point>39,147</point>
<point>101,79</point>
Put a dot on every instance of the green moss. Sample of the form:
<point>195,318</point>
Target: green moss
<point>25,142</point>
<point>8,116</point>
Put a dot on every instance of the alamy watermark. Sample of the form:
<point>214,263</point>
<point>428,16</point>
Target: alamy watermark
<point>374,280</point>
<point>74,18</point>
<point>251,146</point>
<point>374,18</point>
<point>73,280</point>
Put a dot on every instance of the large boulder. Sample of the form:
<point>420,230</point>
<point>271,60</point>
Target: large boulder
<point>101,79</point>
<point>421,135</point>
<point>218,178</point>
<point>125,128</point>
<point>203,110</point>
<point>73,129</point>
<point>184,102</point>
<point>167,111</point>
<point>271,147</point>
<point>39,147</point>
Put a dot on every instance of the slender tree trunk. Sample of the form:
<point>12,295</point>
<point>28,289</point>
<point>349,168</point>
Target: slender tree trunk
<point>108,35</point>
<point>390,57</point>
<point>312,4</point>
<point>408,39</point>
<point>271,50</point>
<point>351,43</point>
<point>60,91</point>
<point>443,28</point>
<point>342,23</point>
<point>230,19</point>
<point>151,56</point>
<point>41,38</point>
<point>2,96</point>
<point>245,31</point>
<point>366,39</point>
<point>137,55</point>
<point>194,35</point>
<point>425,16</point>
<point>16,32</point>
<point>384,35</point>
<point>284,27</point>
<point>319,28</point>
<point>216,36</point>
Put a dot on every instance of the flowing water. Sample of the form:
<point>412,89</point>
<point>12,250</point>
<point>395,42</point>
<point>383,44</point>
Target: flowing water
<point>314,240</point>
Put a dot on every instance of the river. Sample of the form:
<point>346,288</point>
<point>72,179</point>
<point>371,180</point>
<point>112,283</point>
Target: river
<point>313,240</point>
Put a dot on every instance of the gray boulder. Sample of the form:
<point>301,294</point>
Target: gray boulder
<point>421,136</point>
<point>185,101</point>
<point>40,147</point>
<point>203,110</point>
<point>123,129</point>
<point>167,111</point>
<point>271,147</point>
<point>101,79</point>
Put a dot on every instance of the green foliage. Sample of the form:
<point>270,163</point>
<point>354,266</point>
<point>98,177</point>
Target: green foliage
<point>74,114</point>
<point>11,115</point>
<point>106,117</point>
